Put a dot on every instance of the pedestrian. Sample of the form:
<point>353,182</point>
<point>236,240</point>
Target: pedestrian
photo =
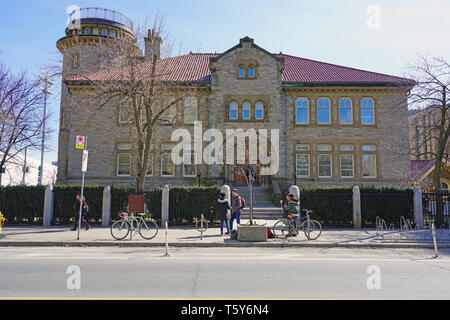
<point>222,209</point>
<point>292,207</point>
<point>84,211</point>
<point>236,207</point>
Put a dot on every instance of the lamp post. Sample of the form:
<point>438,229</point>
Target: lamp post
<point>44,84</point>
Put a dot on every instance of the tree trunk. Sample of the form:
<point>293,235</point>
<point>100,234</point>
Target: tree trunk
<point>437,187</point>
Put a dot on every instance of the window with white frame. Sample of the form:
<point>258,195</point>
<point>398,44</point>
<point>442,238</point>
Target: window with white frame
<point>324,147</point>
<point>95,31</point>
<point>302,147</point>
<point>302,111</point>
<point>346,165</point>
<point>345,111</point>
<point>324,165</point>
<point>190,110</point>
<point>346,147</point>
<point>302,165</point>
<point>323,111</point>
<point>367,111</point>
<point>112,34</point>
<point>167,166</point>
<point>189,168</point>
<point>123,166</point>
<point>369,166</point>
<point>368,147</point>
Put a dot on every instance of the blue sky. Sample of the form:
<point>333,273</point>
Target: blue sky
<point>330,31</point>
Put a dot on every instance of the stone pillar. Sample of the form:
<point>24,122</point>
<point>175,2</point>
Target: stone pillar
<point>226,189</point>
<point>356,208</point>
<point>48,206</point>
<point>418,208</point>
<point>165,205</point>
<point>106,207</point>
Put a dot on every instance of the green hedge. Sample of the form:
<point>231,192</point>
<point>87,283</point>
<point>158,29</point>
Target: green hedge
<point>65,203</point>
<point>22,204</point>
<point>187,204</point>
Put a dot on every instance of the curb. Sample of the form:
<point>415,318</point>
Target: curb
<point>220,245</point>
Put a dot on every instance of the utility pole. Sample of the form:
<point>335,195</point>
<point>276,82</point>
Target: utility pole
<point>45,85</point>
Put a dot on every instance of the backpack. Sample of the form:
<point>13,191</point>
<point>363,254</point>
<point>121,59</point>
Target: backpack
<point>242,202</point>
<point>270,235</point>
<point>233,234</point>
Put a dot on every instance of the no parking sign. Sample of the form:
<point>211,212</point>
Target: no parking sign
<point>80,142</point>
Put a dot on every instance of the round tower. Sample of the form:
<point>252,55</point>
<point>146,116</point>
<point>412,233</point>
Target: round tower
<point>95,38</point>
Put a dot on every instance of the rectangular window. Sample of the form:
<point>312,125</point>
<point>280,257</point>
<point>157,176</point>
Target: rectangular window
<point>112,34</point>
<point>167,166</point>
<point>369,166</point>
<point>190,110</point>
<point>189,170</point>
<point>303,147</point>
<point>241,73</point>
<point>124,146</point>
<point>367,111</point>
<point>346,166</point>
<point>95,31</point>
<point>302,165</point>
<point>104,32</point>
<point>324,147</point>
<point>345,111</point>
<point>124,164</point>
<point>124,114</point>
<point>368,147</point>
<point>324,165</point>
<point>87,31</point>
<point>251,72</point>
<point>302,111</point>
<point>346,147</point>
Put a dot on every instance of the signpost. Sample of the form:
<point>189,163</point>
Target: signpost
<point>81,143</point>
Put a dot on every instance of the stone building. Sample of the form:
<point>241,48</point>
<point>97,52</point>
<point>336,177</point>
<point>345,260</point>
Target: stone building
<point>337,125</point>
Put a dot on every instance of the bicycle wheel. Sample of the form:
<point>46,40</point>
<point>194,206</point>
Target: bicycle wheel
<point>312,229</point>
<point>282,228</point>
<point>120,229</point>
<point>148,229</point>
<point>198,226</point>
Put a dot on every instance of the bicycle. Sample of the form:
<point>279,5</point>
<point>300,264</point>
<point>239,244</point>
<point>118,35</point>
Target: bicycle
<point>287,227</point>
<point>129,223</point>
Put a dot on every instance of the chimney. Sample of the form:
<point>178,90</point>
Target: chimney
<point>152,45</point>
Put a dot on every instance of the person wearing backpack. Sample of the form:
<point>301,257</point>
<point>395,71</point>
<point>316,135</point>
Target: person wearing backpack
<point>84,211</point>
<point>237,204</point>
<point>222,211</point>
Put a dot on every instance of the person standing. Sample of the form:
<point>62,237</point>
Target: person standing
<point>222,209</point>
<point>84,211</point>
<point>236,207</point>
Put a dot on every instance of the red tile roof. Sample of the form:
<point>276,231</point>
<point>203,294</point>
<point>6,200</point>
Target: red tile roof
<point>194,67</point>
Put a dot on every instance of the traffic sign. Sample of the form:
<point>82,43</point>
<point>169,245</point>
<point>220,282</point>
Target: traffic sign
<point>80,142</point>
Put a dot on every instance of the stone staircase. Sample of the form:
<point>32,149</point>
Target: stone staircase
<point>263,205</point>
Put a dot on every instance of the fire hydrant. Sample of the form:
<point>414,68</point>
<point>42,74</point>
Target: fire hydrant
<point>2,221</point>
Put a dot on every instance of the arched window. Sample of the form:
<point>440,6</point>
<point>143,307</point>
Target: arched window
<point>444,186</point>
<point>233,110</point>
<point>345,111</point>
<point>246,111</point>
<point>251,72</point>
<point>259,110</point>
<point>323,111</point>
<point>302,111</point>
<point>367,111</point>
<point>241,72</point>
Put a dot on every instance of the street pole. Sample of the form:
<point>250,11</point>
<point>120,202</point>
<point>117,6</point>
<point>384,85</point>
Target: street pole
<point>83,170</point>
<point>46,85</point>
<point>24,167</point>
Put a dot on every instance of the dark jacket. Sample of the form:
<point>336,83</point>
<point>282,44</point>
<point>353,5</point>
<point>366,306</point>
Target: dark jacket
<point>84,209</point>
<point>222,208</point>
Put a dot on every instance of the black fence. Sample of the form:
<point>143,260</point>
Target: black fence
<point>22,205</point>
<point>389,206</point>
<point>65,204</point>
<point>152,199</point>
<point>433,203</point>
<point>332,208</point>
<point>187,206</point>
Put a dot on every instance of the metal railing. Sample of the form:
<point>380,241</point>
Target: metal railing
<point>101,13</point>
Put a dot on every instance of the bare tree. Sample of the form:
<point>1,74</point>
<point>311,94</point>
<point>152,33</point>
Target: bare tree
<point>21,119</point>
<point>142,85</point>
<point>431,94</point>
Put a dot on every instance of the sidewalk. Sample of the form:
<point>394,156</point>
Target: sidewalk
<point>190,237</point>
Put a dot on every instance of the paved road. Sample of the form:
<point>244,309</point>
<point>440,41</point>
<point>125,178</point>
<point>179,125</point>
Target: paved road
<point>224,273</point>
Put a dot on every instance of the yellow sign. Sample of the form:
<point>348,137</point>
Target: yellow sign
<point>80,143</point>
